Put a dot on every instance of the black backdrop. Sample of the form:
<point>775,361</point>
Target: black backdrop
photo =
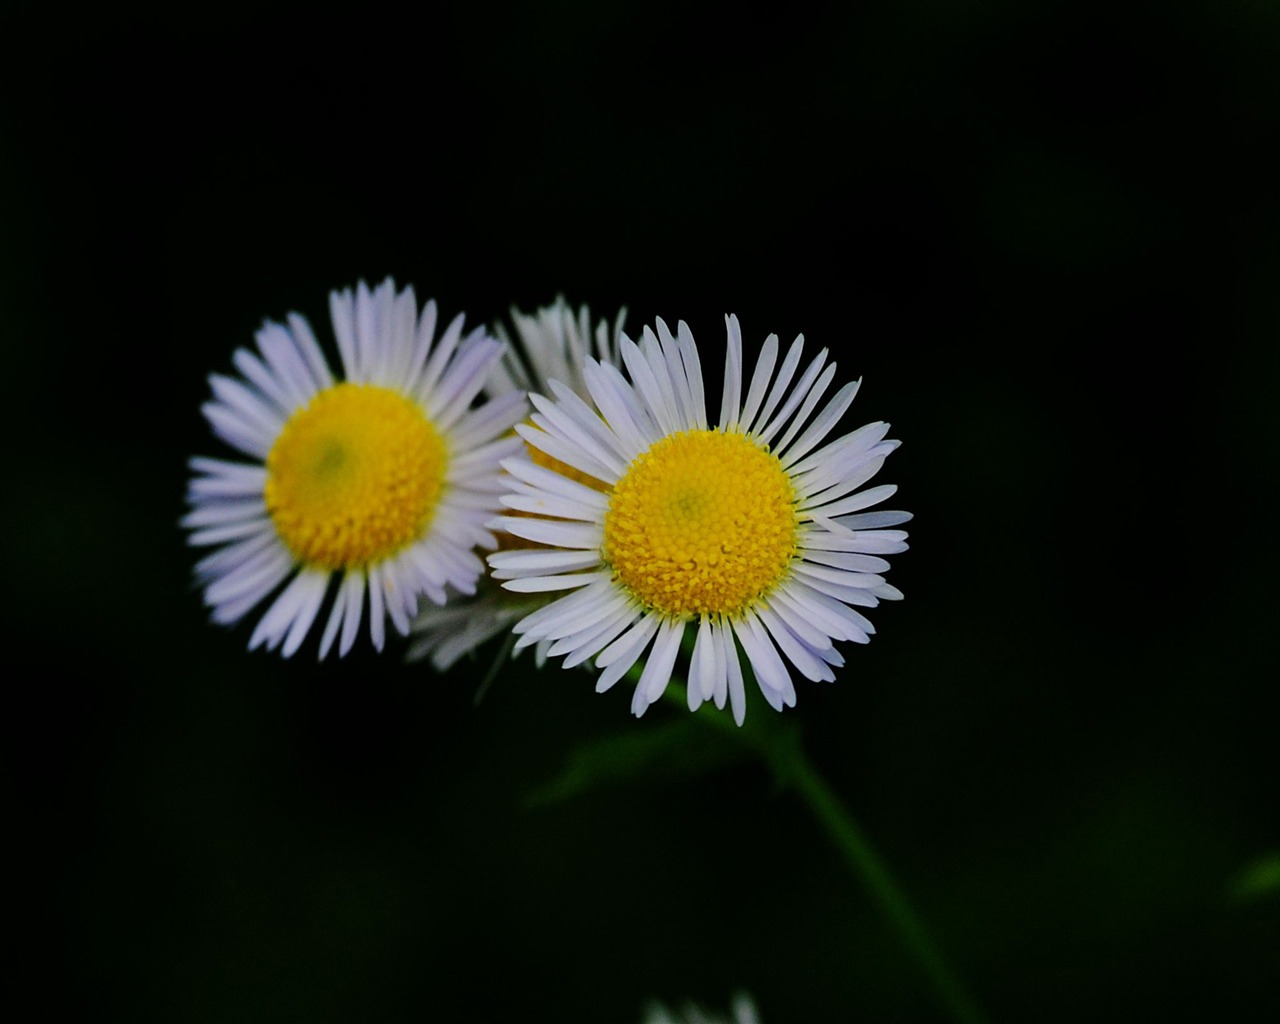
<point>1048,240</point>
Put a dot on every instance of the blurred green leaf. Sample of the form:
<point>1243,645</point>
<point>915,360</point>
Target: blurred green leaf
<point>1259,880</point>
<point>671,751</point>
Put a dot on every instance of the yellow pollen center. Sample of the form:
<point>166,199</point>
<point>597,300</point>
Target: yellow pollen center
<point>354,476</point>
<point>702,522</point>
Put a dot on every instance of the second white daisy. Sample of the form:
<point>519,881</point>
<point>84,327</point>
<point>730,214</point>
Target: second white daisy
<point>753,533</point>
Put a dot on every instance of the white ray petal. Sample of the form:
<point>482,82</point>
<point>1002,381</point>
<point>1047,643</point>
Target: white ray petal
<point>733,674</point>
<point>567,452</point>
<point>320,377</point>
<point>680,393</point>
<point>856,502</point>
<point>555,483</point>
<point>760,382</point>
<point>313,586</point>
<point>557,534</point>
<point>377,610</point>
<point>275,623</point>
<point>875,520</point>
<point>847,560</point>
<point>542,584</point>
<point>241,400</point>
<point>661,660</point>
<point>601,636</point>
<point>615,409</point>
<point>439,359</point>
<point>704,669</point>
<point>267,383</point>
<point>801,654</point>
<point>798,394</point>
<point>693,374</point>
<point>646,385</point>
<point>806,409</point>
<point>290,368</point>
<point>537,561</point>
<point>342,314</point>
<point>732,393</point>
<point>624,651</point>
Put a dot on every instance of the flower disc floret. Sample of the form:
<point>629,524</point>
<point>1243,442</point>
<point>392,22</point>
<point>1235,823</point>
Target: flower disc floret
<point>702,522</point>
<point>354,476</point>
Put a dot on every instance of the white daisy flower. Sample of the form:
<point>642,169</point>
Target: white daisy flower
<point>748,532</point>
<point>381,482</point>
<point>551,344</point>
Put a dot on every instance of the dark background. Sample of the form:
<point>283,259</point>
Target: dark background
<point>1049,241</point>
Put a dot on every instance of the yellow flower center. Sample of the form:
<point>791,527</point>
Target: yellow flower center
<point>354,476</point>
<point>702,522</point>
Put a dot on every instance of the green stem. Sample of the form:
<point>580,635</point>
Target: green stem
<point>782,749</point>
<point>858,853</point>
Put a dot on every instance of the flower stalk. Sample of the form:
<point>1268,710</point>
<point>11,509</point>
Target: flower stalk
<point>782,750</point>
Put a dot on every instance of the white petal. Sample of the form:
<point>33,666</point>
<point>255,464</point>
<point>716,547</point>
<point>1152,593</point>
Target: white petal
<point>342,313</point>
<point>623,652</point>
<point>252,368</point>
<point>305,341</point>
<point>732,391</point>
<point>647,386</point>
<point>230,531</point>
<point>760,381</point>
<point>541,561</point>
<point>704,669</point>
<point>769,670</point>
<point>462,381</point>
<point>555,483</point>
<point>662,659</point>
<point>567,452</point>
<point>314,584</point>
<point>582,646</point>
<point>290,368</point>
<point>237,431</point>
<point>542,584</point>
<point>875,520</point>
<point>219,513</point>
<point>854,502</point>
<point>693,373</point>
<point>559,420</point>
<point>377,610</point>
<point>556,534</point>
<point>798,652</point>
<point>545,621</point>
<point>806,409</point>
<point>798,394</point>
<point>258,574</point>
<point>845,560</point>
<point>611,400</point>
<point>733,667</point>
<point>587,422</point>
<point>279,617</point>
<point>439,358</point>
<point>549,505</point>
<point>821,426</point>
